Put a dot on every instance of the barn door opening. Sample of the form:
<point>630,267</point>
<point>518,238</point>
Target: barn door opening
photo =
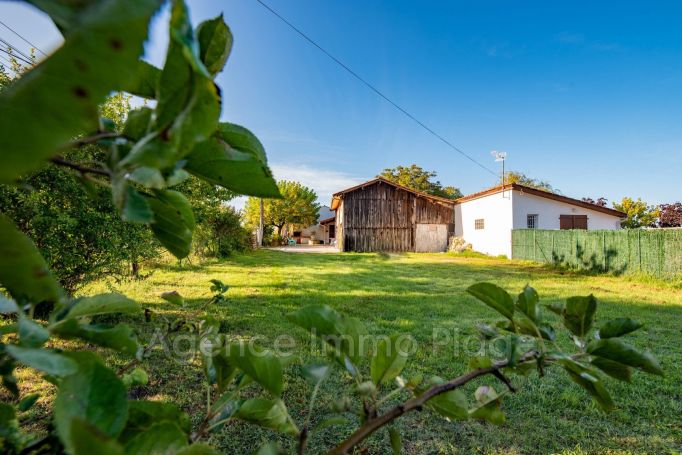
<point>431,238</point>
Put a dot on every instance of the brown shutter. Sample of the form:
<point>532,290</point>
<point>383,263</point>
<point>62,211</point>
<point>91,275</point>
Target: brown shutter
<point>566,222</point>
<point>579,221</point>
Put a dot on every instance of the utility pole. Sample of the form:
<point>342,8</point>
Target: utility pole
<point>500,156</point>
<point>260,225</point>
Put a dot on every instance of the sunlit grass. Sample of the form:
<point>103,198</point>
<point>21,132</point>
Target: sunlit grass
<point>416,293</point>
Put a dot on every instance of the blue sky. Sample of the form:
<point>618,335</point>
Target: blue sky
<point>587,95</point>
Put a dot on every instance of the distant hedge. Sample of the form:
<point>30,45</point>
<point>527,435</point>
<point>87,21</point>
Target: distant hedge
<point>655,252</point>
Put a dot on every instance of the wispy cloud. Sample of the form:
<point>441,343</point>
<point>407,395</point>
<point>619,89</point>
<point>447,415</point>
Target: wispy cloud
<point>325,182</point>
<point>578,39</point>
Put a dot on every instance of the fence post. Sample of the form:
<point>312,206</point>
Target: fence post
<point>535,246</point>
<point>603,249</point>
<point>639,248</point>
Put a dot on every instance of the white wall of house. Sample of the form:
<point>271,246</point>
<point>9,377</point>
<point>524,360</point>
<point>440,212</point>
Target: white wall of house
<point>496,212</point>
<point>549,210</point>
<point>504,211</point>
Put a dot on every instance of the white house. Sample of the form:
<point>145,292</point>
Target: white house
<point>486,219</point>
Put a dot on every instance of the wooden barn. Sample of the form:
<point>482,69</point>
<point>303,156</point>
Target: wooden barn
<point>379,215</point>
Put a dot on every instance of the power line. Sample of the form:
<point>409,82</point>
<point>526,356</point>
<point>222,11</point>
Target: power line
<point>13,55</point>
<point>24,39</point>
<point>374,89</point>
<point>11,46</point>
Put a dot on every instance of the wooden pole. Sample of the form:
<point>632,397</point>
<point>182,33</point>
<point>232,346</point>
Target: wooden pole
<point>260,225</point>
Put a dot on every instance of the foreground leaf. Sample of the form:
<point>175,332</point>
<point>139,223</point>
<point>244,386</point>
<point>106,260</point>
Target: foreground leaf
<point>261,365</point>
<point>98,304</point>
<point>579,314</point>
<point>95,394</point>
<point>173,221</point>
<point>267,413</point>
<point>142,415</point>
<point>495,297</point>
<point>618,327</point>
<point>95,60</point>
<point>617,351</point>
<point>587,378</point>
<point>87,439</point>
<point>390,358</point>
<point>160,438</point>
<point>119,338</point>
<point>44,360</point>
<point>23,271</point>
<point>215,43</point>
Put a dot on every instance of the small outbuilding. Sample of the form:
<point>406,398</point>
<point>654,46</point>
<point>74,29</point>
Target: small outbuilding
<point>380,215</point>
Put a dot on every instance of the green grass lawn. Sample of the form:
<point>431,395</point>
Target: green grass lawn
<point>418,293</point>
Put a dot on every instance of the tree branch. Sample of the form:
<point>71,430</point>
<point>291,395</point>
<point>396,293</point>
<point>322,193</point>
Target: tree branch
<point>80,142</point>
<point>59,161</point>
<point>417,403</point>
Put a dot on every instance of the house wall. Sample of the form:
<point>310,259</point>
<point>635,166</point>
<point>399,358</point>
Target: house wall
<point>549,210</point>
<point>502,214</point>
<point>496,211</point>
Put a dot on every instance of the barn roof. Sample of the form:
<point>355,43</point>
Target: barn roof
<point>336,197</point>
<point>541,193</point>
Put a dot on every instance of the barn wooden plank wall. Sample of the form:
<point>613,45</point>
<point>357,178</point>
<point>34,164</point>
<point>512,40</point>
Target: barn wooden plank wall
<point>381,217</point>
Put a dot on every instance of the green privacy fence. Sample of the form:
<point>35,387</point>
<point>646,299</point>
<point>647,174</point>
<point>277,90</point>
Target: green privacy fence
<point>655,252</point>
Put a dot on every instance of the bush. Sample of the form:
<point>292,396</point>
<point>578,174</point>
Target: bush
<point>221,233</point>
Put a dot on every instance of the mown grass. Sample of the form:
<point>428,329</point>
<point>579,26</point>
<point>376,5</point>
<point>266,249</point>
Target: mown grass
<point>418,293</point>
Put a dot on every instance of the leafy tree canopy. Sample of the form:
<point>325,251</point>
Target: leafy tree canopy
<point>671,215</point>
<point>639,213</point>
<point>601,202</point>
<point>523,179</point>
<point>419,179</point>
<point>297,207</point>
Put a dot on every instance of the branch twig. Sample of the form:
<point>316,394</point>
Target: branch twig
<point>417,403</point>
<point>59,161</point>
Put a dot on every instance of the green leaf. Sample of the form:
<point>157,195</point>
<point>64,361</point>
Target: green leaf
<point>316,372</point>
<point>7,306</point>
<point>269,414</point>
<point>621,352</point>
<point>556,308</point>
<point>119,338</point>
<point>527,303</point>
<point>97,58</point>
<point>95,394</point>
<point>235,159</point>
<point>148,177</point>
<point>341,333</point>
<point>614,369</point>
<point>31,334</point>
<point>330,422</point>
<point>23,271</point>
<point>390,358</point>
<point>137,377</point>
<point>28,401</point>
<point>173,221</point>
<point>142,415</point>
<point>87,439</point>
<point>173,297</point>
<point>618,327</point>
<point>137,123</point>
<point>489,406</point>
<point>145,83</point>
<point>589,380</point>
<point>452,404</point>
<point>99,304</point>
<point>261,365</point>
<point>198,449</point>
<point>161,438</point>
<point>579,314</point>
<point>43,360</point>
<point>495,297</point>
<point>215,43</point>
<point>396,441</point>
<point>136,209</point>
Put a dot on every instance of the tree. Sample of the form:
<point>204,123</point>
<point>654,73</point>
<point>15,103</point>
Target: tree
<point>638,213</point>
<point>670,215</point>
<point>77,228</point>
<point>523,179</point>
<point>416,178</point>
<point>601,202</point>
<point>298,207</point>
